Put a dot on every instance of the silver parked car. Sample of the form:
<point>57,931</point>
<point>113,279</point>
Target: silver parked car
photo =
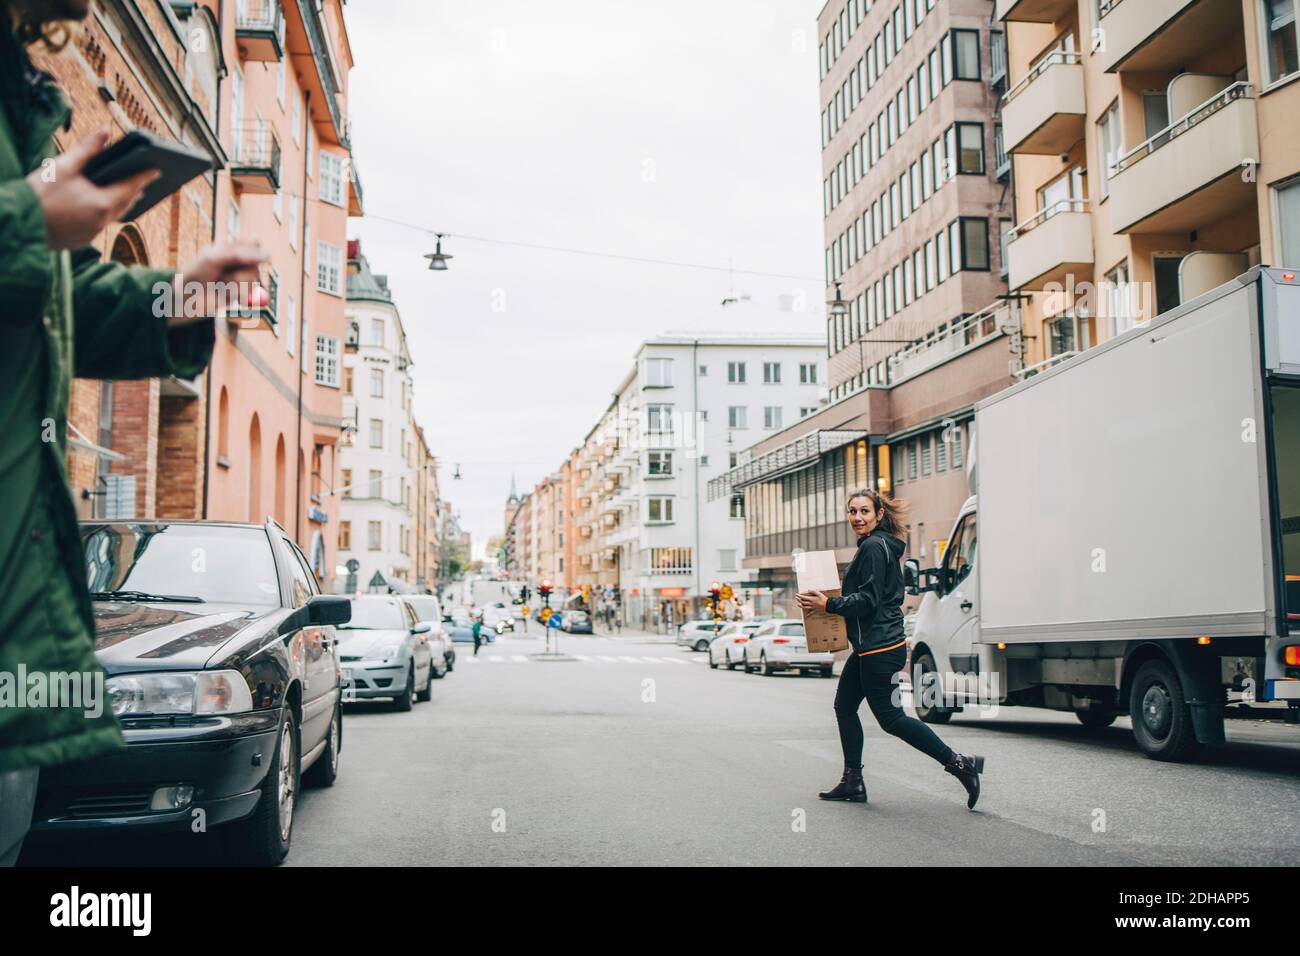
<point>385,652</point>
<point>697,635</point>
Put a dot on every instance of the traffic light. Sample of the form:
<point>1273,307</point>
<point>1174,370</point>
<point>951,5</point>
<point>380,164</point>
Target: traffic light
<point>544,589</point>
<point>715,591</point>
<point>715,604</point>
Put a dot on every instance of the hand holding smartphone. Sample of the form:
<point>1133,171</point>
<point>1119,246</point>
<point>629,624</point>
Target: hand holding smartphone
<point>137,152</point>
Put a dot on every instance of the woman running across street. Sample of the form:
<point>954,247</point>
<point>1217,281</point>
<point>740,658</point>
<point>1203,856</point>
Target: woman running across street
<point>871,603</point>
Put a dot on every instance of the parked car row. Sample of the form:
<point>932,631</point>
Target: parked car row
<point>227,669</point>
<point>766,647</point>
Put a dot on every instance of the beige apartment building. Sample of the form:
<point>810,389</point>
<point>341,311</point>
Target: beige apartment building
<point>1156,152</point>
<point>915,197</point>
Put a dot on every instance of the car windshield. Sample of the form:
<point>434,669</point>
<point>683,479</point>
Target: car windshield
<point>375,614</point>
<point>426,609</point>
<point>792,630</point>
<point>216,563</point>
<point>577,616</point>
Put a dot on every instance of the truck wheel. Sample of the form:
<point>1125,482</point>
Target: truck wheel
<point>1095,719</point>
<point>930,714</point>
<point>1162,721</point>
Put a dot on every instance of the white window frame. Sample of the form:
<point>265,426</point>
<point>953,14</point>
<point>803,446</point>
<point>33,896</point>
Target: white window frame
<point>329,269</point>
<point>327,360</point>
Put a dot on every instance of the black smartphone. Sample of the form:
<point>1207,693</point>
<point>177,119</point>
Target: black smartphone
<point>138,151</point>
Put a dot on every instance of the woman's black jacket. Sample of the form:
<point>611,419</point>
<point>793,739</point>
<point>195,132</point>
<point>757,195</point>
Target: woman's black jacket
<point>872,594</point>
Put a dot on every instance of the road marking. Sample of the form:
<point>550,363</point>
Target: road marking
<point>584,657</point>
<point>653,660</point>
<point>674,660</point>
<point>520,659</point>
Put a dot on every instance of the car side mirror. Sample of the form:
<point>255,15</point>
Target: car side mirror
<point>326,609</point>
<point>424,627</point>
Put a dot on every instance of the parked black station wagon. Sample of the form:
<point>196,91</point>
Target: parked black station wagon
<point>222,668</point>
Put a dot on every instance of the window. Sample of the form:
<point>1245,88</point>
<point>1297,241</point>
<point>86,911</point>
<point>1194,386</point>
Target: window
<point>771,373</point>
<point>726,559</point>
<point>345,535</point>
<point>659,419</point>
<point>807,373</point>
<point>966,54</point>
<point>1112,145</point>
<point>345,476</point>
<point>736,373</point>
<point>377,332</point>
<point>296,132</point>
<point>1279,25</point>
<point>291,325</point>
<point>376,383</point>
<point>347,380</point>
<point>329,268</point>
<point>805,411</point>
<point>327,360</point>
<point>704,371</point>
<point>279,83</point>
<point>911,461</point>
<point>926,454</point>
<point>659,464</point>
<point>658,372</point>
<point>659,510</point>
<point>375,535</point>
<point>331,179</point>
<point>376,433</point>
<point>1288,222</point>
<point>772,417</point>
<point>375,483</point>
<point>965,142</point>
<point>736,417</point>
<point>1120,294</point>
<point>974,244</point>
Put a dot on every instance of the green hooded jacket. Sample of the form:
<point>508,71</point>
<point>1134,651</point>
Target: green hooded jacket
<point>46,625</point>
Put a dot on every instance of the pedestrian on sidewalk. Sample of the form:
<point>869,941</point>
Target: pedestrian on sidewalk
<point>871,603</point>
<point>64,312</point>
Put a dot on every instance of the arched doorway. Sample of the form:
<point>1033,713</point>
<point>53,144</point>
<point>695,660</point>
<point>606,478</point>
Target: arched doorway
<point>281,485</point>
<point>255,471</point>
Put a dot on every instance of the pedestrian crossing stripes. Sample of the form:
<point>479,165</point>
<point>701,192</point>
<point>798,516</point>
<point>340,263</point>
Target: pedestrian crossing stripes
<point>582,658</point>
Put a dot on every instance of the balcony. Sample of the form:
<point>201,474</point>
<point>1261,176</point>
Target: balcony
<point>1161,35</point>
<point>250,316</point>
<point>1034,11</point>
<point>1188,175</point>
<point>356,197</point>
<point>305,38</point>
<point>1044,113</point>
<point>259,31</point>
<point>1049,246</point>
<point>963,334</point>
<point>255,159</point>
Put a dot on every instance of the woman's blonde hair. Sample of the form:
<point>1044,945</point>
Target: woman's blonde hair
<point>32,22</point>
<point>892,511</point>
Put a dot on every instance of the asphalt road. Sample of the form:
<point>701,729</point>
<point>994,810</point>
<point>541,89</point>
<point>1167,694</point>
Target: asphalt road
<point>635,752</point>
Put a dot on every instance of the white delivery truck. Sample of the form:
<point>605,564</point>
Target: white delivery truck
<point>1133,546</point>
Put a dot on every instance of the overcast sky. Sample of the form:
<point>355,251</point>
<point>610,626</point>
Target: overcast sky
<point>676,130</point>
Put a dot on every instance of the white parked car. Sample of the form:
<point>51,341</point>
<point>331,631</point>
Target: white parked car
<point>697,635</point>
<point>728,649</point>
<point>780,645</point>
<point>428,611</point>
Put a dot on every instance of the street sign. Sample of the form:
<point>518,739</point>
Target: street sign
<point>353,565</point>
<point>727,593</point>
<point>546,614</point>
<point>525,610</point>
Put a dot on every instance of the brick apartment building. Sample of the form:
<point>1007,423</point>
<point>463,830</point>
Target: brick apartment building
<point>260,86</point>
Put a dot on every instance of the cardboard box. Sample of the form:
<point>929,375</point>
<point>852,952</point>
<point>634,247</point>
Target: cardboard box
<point>817,571</point>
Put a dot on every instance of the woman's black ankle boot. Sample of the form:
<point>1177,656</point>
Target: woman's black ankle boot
<point>967,770</point>
<point>850,787</point>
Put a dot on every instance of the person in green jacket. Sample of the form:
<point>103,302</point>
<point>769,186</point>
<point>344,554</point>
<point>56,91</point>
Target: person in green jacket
<point>64,312</point>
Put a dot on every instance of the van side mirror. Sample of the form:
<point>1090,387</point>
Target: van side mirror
<point>917,580</point>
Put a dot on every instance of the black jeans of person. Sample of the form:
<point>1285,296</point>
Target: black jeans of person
<point>871,677</point>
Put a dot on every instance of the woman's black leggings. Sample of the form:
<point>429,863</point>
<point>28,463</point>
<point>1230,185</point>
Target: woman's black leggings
<point>872,677</point>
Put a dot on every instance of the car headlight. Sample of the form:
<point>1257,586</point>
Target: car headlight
<point>388,652</point>
<point>198,693</point>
